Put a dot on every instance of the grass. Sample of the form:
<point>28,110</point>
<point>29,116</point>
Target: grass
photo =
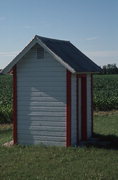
<point>57,163</point>
<point>106,123</point>
<point>5,133</point>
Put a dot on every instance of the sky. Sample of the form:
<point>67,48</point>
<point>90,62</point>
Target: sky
<point>91,25</point>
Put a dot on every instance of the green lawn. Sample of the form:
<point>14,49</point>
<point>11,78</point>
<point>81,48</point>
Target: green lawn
<point>52,163</point>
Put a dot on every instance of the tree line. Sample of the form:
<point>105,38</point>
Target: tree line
<point>110,69</point>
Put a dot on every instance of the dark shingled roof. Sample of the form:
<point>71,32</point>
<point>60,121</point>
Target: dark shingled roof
<point>71,55</point>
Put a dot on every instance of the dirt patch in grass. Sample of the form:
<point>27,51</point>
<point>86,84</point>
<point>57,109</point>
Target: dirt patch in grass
<point>105,112</point>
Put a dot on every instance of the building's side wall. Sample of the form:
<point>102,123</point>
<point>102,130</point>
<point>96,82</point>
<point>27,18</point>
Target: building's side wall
<point>41,100</point>
<point>73,111</point>
<point>89,115</point>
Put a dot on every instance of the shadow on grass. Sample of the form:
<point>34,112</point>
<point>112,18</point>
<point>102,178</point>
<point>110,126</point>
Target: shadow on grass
<point>104,141</point>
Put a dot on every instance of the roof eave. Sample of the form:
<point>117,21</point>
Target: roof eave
<point>88,72</point>
<point>19,56</point>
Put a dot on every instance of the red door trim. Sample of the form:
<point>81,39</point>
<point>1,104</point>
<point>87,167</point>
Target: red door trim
<point>68,108</point>
<point>84,106</point>
<point>15,104</point>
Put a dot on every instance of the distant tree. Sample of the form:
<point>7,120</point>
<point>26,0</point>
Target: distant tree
<point>104,69</point>
<point>110,69</point>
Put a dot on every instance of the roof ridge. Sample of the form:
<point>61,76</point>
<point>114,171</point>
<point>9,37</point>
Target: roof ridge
<point>40,37</point>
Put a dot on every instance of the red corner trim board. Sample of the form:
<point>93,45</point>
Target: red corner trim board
<point>92,104</point>
<point>15,105</point>
<point>77,108</point>
<point>84,107</point>
<point>68,108</point>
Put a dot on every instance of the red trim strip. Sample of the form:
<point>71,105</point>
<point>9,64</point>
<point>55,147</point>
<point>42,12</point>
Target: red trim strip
<point>77,107</point>
<point>92,104</point>
<point>84,106</point>
<point>15,104</point>
<point>68,108</point>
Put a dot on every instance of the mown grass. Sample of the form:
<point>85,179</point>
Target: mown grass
<point>58,163</point>
<point>106,123</point>
<point>5,133</point>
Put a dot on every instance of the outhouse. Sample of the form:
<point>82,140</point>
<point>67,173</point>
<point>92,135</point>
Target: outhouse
<point>52,93</point>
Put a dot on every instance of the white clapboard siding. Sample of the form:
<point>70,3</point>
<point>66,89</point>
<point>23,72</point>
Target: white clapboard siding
<point>40,104</point>
<point>42,128</point>
<point>40,113</point>
<point>73,111</point>
<point>42,133</point>
<point>40,94</point>
<point>42,84</point>
<point>42,123</point>
<point>34,73</point>
<point>42,138</point>
<point>38,142</point>
<point>42,79</point>
<point>89,133</point>
<point>40,118</point>
<point>41,70</point>
<point>41,100</point>
<point>43,109</point>
<point>47,63</point>
<point>29,89</point>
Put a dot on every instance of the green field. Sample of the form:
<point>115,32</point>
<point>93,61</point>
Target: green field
<point>105,92</point>
<point>105,95</point>
<point>57,163</point>
<point>5,98</point>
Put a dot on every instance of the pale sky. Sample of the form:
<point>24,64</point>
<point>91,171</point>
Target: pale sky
<point>91,25</point>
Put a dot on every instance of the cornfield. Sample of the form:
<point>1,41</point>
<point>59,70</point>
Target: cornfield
<point>5,98</point>
<point>105,92</point>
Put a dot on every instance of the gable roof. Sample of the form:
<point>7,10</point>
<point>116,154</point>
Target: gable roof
<point>63,51</point>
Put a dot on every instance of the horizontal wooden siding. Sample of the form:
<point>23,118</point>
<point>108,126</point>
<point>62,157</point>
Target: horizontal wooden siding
<point>41,93</point>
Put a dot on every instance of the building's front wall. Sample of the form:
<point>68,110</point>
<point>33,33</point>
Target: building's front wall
<point>41,100</point>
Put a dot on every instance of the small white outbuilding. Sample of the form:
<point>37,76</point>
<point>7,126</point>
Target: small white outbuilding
<point>52,93</point>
